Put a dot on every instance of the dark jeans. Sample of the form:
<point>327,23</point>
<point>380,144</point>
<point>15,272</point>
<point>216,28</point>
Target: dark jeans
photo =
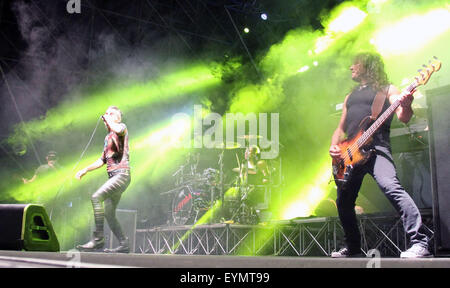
<point>381,168</point>
<point>109,194</point>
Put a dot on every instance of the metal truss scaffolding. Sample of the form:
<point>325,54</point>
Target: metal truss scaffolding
<point>317,236</point>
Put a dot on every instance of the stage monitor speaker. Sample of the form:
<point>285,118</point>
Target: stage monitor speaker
<point>26,227</point>
<point>438,102</point>
<point>128,221</point>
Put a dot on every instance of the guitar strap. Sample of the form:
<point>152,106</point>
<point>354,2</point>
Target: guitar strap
<point>378,103</point>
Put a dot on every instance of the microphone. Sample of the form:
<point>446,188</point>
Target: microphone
<point>104,120</point>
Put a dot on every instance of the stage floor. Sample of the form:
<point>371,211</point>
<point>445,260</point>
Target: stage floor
<point>19,259</point>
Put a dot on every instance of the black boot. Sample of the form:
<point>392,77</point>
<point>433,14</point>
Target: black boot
<point>124,247</point>
<point>97,242</point>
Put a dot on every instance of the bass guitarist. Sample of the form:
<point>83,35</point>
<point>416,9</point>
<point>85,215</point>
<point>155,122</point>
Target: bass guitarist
<point>368,71</point>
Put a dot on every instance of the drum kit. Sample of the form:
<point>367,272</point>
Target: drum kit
<point>196,192</point>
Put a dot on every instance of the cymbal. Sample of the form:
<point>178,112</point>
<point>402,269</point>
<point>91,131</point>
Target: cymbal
<point>229,145</point>
<point>248,137</point>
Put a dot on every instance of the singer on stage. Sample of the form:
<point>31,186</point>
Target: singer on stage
<point>115,156</point>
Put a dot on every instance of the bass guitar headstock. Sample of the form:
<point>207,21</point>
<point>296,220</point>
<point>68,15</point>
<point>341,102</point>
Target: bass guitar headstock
<point>425,73</point>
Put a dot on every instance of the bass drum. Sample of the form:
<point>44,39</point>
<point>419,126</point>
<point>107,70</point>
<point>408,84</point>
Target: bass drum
<point>188,204</point>
<point>182,205</point>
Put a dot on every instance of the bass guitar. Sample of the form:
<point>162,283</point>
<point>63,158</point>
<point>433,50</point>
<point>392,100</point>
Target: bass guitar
<point>355,151</point>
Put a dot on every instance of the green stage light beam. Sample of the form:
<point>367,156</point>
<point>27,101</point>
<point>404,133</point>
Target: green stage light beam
<point>412,32</point>
<point>301,204</point>
<point>61,183</point>
<point>195,77</point>
<point>46,186</point>
<point>345,18</point>
<point>203,220</point>
<point>294,55</point>
<point>157,150</point>
<point>232,193</point>
<point>309,195</point>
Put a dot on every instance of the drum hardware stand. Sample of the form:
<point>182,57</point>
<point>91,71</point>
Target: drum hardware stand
<point>213,214</point>
<point>180,179</point>
<point>222,197</point>
<point>244,214</point>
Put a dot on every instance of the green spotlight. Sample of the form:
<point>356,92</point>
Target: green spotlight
<point>303,69</point>
<point>167,136</point>
<point>154,152</point>
<point>246,30</point>
<point>150,160</point>
<point>231,193</point>
<point>374,6</point>
<point>344,19</point>
<point>169,87</point>
<point>347,20</point>
<point>203,220</point>
<point>304,204</point>
<point>411,33</point>
<point>377,2</point>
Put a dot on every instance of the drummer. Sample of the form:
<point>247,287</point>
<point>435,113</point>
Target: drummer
<point>258,170</point>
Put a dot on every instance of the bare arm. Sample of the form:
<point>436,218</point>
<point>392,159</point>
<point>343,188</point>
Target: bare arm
<point>29,181</point>
<point>404,111</point>
<point>97,164</point>
<point>339,134</point>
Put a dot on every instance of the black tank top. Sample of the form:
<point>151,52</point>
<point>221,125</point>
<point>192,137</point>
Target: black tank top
<point>359,106</point>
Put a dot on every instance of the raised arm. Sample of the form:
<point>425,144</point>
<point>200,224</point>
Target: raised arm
<point>118,128</point>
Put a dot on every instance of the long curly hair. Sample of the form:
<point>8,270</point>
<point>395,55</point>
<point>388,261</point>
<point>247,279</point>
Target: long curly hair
<point>374,69</point>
